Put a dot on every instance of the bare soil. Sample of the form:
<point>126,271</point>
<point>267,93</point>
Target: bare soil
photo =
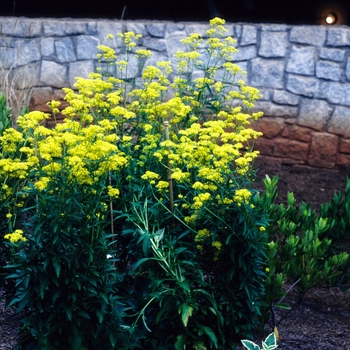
<point>322,320</point>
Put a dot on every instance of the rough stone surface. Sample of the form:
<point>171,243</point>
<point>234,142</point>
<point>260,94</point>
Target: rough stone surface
<point>245,53</point>
<point>267,73</point>
<point>338,36</point>
<point>285,148</point>
<point>312,119</point>
<point>273,110</point>
<point>54,28</point>
<point>270,127</point>
<point>249,35</point>
<point>273,44</point>
<point>65,50</point>
<point>154,44</point>
<point>79,69</point>
<point>302,60</point>
<point>299,133</point>
<point>310,35</point>
<point>53,74</point>
<point>344,146</point>
<point>343,160</point>
<point>323,150</point>
<point>304,86</point>
<point>40,96</point>
<point>285,97</point>
<point>86,47</point>
<point>156,29</point>
<point>339,124</point>
<point>303,72</point>
<point>332,54</point>
<point>335,92</point>
<point>328,70</point>
<point>47,47</point>
<point>347,69</point>
<point>265,146</point>
<point>27,52</point>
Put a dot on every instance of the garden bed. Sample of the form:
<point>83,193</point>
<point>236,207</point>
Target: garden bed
<point>321,321</point>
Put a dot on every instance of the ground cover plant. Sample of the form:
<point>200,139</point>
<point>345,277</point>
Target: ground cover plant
<point>134,223</point>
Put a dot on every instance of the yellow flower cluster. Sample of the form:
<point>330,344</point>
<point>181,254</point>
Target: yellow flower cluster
<point>16,237</point>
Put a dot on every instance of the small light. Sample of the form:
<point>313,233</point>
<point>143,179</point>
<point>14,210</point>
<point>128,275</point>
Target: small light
<point>331,18</point>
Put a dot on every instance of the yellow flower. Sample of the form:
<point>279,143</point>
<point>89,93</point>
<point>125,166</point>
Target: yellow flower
<point>113,192</point>
<point>16,236</point>
<point>262,228</point>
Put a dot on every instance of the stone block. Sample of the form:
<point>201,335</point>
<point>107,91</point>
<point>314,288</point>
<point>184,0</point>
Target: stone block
<point>27,52</point>
<point>65,50</point>
<point>270,127</point>
<point>275,27</point>
<point>300,133</point>
<point>267,73</point>
<point>39,97</point>
<point>338,36</point>
<point>7,57</point>
<point>107,27</point>
<point>25,77</point>
<point>54,28</point>
<point>136,27</point>
<point>335,92</point>
<point>314,114</point>
<point>245,53</point>
<point>9,26</point>
<point>249,35</point>
<point>31,27</point>
<point>175,27</point>
<point>47,47</point>
<point>264,146</point>
<point>198,28</point>
<point>285,148</point>
<point>53,74</point>
<point>305,86</point>
<point>340,122</point>
<point>79,69</point>
<point>344,146</point>
<point>343,160</point>
<point>76,28</point>
<point>311,35</point>
<point>154,44</point>
<point>273,44</point>
<point>285,97</point>
<point>86,47</point>
<point>328,70</point>
<point>156,29</point>
<point>323,150</point>
<point>347,69</point>
<point>273,110</point>
<point>336,55</point>
<point>265,94</point>
<point>302,60</point>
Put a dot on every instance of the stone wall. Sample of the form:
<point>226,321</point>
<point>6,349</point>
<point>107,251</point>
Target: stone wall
<point>303,73</point>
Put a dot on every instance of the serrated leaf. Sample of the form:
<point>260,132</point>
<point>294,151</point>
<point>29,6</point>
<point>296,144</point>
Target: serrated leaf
<point>186,312</point>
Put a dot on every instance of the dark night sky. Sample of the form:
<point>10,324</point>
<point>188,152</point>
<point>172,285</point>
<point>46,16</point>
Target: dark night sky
<point>288,11</point>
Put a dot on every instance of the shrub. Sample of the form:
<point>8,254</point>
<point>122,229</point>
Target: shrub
<point>156,174</point>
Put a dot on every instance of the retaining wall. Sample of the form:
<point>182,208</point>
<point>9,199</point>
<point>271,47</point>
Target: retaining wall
<point>303,73</point>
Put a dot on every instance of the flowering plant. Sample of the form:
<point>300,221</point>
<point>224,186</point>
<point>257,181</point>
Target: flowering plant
<point>155,173</point>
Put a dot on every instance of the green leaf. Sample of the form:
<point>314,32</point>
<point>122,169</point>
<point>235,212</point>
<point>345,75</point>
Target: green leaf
<point>271,340</point>
<point>180,342</point>
<point>210,333</point>
<point>250,345</point>
<point>284,306</point>
<point>186,312</point>
<point>200,346</point>
<point>100,315</point>
<point>56,266</point>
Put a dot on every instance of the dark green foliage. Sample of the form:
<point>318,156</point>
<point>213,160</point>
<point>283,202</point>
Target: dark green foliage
<point>5,115</point>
